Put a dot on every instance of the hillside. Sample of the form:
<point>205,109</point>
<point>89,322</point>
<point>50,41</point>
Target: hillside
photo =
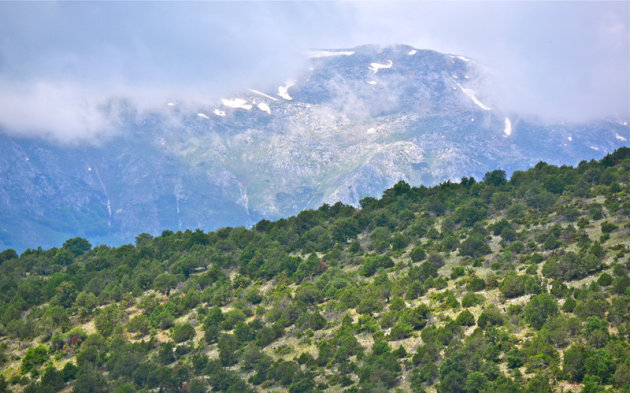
<point>498,285</point>
<point>352,123</point>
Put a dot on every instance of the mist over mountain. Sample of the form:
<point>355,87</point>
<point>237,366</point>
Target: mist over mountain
<point>354,122</point>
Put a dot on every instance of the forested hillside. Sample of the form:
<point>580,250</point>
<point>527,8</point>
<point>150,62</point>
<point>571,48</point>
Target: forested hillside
<point>498,285</point>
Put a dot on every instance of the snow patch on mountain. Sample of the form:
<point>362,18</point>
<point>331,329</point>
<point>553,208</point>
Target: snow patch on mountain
<point>203,115</point>
<point>237,103</point>
<point>412,52</point>
<point>283,91</point>
<point>260,93</point>
<point>472,95</point>
<point>264,107</point>
<point>508,127</point>
<point>619,137</point>
<point>377,66</point>
<point>462,58</point>
<point>219,112</point>
<point>326,53</point>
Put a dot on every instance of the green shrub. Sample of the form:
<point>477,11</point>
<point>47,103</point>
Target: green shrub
<point>417,254</point>
<point>476,284</point>
<point>608,227</point>
<point>457,271</point>
<point>571,265</point>
<point>539,308</point>
<point>183,332</point>
<point>568,305</point>
<point>471,299</point>
<point>34,357</point>
<point>465,318</point>
<point>513,286</point>
<point>491,316</point>
<point>371,264</point>
<point>400,330</point>
<point>474,246</point>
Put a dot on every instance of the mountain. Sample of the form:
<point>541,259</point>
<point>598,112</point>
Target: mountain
<point>355,122</point>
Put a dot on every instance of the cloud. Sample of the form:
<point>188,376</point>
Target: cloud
<point>66,61</point>
<point>61,112</point>
<point>555,60</point>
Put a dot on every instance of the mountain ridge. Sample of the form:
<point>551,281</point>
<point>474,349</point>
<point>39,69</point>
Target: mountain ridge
<point>350,126</point>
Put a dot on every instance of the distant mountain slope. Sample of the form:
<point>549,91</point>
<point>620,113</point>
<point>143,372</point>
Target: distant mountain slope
<point>354,123</point>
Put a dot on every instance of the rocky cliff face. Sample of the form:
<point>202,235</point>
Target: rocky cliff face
<point>354,123</point>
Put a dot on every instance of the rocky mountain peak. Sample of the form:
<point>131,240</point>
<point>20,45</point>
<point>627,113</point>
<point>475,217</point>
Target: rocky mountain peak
<point>352,124</point>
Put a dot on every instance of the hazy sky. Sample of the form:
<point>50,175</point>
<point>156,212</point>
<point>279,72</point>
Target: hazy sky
<point>59,62</point>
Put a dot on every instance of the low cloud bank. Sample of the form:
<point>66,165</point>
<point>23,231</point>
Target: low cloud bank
<point>70,65</point>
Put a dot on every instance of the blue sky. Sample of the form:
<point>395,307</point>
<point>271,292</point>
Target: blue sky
<point>60,61</point>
